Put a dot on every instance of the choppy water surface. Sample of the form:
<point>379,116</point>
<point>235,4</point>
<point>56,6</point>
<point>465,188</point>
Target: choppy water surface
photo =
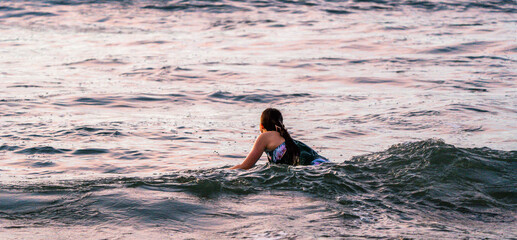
<point>118,118</point>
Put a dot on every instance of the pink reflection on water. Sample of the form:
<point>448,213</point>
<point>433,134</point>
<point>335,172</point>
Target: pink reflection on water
<point>153,74</point>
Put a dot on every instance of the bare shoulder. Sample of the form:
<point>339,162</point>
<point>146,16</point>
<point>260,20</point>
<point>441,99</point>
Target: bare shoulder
<point>270,140</point>
<point>269,135</point>
<point>265,137</point>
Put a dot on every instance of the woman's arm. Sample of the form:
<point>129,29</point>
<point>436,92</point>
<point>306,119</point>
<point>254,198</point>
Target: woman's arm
<point>254,155</point>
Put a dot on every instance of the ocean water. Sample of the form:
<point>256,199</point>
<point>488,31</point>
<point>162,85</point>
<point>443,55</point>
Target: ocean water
<point>119,119</point>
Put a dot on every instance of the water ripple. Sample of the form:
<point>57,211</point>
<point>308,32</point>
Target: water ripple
<point>28,14</point>
<point>89,151</point>
<point>43,150</point>
<point>228,97</point>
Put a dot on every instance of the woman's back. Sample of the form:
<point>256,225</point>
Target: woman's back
<point>274,140</point>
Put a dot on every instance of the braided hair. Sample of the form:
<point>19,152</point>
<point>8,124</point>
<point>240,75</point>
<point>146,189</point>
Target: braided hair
<point>271,119</point>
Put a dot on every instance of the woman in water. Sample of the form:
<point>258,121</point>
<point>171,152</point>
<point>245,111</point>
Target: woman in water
<point>278,144</point>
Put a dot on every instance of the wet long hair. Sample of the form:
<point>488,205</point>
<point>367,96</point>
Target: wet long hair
<point>271,119</point>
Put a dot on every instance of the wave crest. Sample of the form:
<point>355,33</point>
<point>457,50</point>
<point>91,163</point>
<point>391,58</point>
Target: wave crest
<point>426,176</point>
